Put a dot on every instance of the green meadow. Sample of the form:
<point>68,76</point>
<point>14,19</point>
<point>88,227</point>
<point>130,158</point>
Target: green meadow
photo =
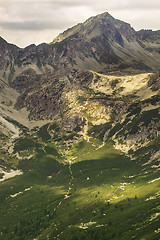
<point>89,192</point>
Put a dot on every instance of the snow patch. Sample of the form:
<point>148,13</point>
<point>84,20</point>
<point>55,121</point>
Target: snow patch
<point>11,174</point>
<point>154,180</point>
<point>15,195</point>
<point>86,225</point>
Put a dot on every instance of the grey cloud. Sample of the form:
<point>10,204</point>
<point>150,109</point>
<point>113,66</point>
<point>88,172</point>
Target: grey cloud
<point>50,9</point>
<point>33,25</point>
<point>110,5</point>
<point>114,4</point>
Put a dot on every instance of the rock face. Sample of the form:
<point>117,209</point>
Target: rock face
<point>8,53</point>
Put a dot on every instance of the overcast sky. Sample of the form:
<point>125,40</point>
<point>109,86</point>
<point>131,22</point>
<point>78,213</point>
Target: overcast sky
<point>23,22</point>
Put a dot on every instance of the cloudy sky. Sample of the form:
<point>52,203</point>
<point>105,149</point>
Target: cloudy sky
<point>23,22</point>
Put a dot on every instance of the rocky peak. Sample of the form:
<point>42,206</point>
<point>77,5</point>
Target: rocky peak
<point>100,25</point>
<point>148,35</point>
<point>7,53</point>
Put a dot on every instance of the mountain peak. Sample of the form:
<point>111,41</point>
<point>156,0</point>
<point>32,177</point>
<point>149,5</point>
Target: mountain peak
<point>80,27</point>
<point>96,26</point>
<point>104,15</point>
<point>100,19</point>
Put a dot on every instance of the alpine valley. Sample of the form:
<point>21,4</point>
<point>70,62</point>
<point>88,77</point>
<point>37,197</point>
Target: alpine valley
<point>80,135</point>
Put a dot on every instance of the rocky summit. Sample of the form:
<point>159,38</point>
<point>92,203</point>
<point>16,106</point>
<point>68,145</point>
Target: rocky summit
<point>79,135</point>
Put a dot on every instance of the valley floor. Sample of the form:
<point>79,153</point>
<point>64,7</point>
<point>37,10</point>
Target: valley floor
<point>103,196</point>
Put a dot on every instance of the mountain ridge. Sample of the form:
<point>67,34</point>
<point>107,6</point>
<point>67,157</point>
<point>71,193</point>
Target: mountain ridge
<point>96,44</point>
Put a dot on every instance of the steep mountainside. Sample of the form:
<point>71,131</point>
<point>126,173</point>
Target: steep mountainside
<point>79,135</point>
<point>102,43</point>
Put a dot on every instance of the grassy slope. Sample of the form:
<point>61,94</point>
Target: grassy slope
<point>102,195</point>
